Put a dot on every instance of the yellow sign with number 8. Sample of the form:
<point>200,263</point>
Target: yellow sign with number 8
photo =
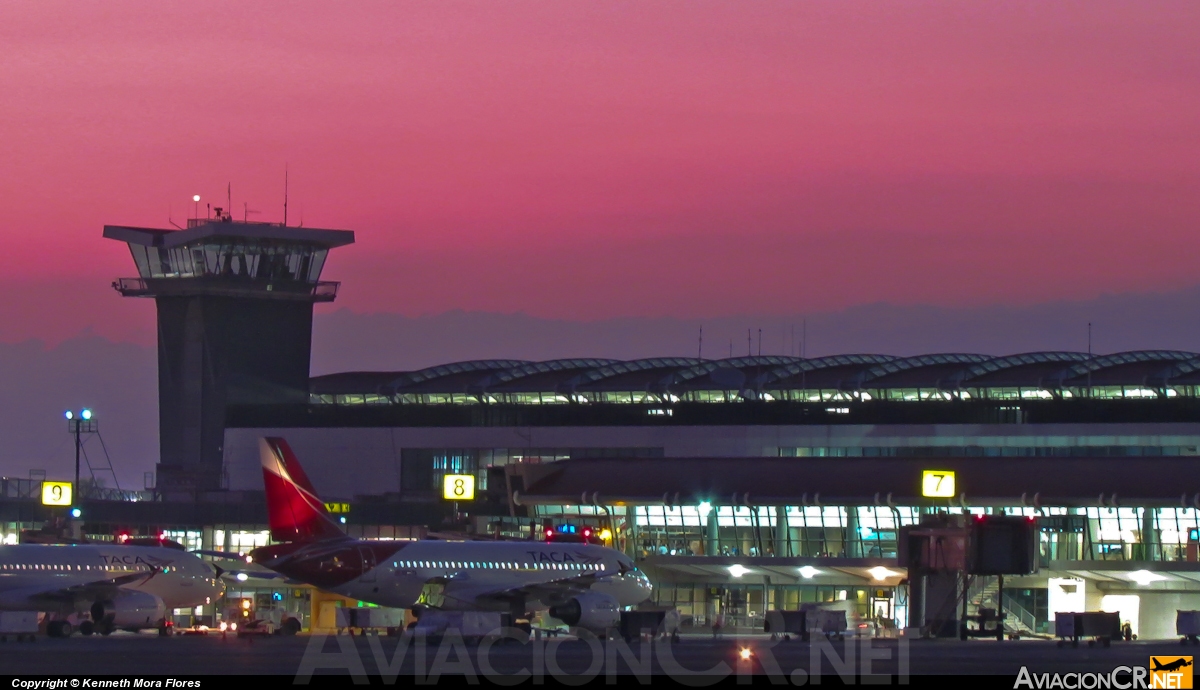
<point>459,487</point>
<point>937,484</point>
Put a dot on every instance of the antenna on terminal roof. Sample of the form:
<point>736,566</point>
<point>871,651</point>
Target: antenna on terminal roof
<point>285,191</point>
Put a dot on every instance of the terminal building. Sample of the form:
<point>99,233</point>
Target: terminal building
<point>740,485</point>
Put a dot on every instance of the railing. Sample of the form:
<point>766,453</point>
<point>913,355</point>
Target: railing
<point>321,291</point>
<point>99,493</point>
<point>1020,613</point>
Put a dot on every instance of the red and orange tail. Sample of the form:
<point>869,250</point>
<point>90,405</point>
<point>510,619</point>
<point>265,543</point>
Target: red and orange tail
<point>293,508</point>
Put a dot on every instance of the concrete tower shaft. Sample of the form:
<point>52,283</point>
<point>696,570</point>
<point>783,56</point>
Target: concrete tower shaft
<point>234,304</point>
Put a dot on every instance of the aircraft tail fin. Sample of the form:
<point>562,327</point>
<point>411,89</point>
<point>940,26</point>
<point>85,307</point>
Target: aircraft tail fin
<point>294,510</point>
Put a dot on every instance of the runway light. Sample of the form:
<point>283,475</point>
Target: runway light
<point>242,577</point>
<point>1145,577</point>
<point>86,414</point>
<point>745,654</point>
<point>737,570</point>
<point>881,573</point>
<point>808,571</point>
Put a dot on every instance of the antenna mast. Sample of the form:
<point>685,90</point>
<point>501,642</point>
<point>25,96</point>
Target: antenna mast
<point>285,191</point>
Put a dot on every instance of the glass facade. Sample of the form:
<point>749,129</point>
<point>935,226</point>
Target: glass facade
<point>267,261</point>
<point>850,379</point>
<point>423,469</point>
<point>1069,448</point>
<point>1169,534</point>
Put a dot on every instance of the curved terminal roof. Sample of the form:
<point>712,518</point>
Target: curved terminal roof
<point>1054,372</point>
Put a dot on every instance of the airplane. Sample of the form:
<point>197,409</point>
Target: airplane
<point>1179,663</point>
<point>583,585</point>
<point>118,586</point>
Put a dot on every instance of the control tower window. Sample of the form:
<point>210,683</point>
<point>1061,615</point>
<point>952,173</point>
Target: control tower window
<point>260,261</point>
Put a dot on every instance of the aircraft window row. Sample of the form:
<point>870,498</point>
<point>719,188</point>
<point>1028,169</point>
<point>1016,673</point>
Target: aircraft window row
<point>499,565</point>
<point>68,567</point>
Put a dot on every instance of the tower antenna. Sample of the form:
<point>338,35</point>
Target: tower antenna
<point>285,191</point>
<point>700,345</point>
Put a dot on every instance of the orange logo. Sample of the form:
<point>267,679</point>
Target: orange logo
<point>1171,672</point>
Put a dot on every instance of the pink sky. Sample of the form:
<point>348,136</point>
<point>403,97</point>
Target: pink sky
<point>593,160</point>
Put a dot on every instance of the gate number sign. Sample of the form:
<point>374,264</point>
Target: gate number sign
<point>937,484</point>
<point>56,493</point>
<point>459,487</point>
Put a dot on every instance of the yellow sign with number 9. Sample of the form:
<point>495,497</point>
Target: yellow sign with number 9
<point>937,484</point>
<point>56,493</point>
<point>459,487</point>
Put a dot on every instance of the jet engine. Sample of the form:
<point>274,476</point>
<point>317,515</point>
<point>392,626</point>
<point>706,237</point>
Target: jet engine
<point>590,610</point>
<point>130,609</point>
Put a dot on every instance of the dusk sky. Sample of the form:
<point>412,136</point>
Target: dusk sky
<point>595,160</point>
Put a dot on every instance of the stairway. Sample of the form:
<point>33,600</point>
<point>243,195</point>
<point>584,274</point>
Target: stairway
<point>982,593</point>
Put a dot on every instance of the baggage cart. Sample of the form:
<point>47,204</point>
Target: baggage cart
<point>831,623</point>
<point>1100,626</point>
<point>637,623</point>
<point>786,624</point>
<point>1187,626</point>
<point>22,626</point>
<point>473,626</point>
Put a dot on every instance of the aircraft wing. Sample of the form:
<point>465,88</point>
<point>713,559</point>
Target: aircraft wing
<point>41,598</point>
<point>475,593</point>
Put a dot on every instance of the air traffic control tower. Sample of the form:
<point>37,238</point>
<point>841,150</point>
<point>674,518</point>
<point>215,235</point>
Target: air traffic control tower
<point>235,307</point>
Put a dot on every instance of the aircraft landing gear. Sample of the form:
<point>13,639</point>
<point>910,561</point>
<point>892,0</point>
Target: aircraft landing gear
<point>87,628</point>
<point>59,629</point>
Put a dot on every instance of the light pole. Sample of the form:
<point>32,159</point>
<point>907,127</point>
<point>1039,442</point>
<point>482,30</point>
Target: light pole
<point>78,425</point>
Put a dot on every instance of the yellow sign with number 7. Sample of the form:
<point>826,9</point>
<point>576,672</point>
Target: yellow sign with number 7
<point>937,484</point>
<point>459,487</point>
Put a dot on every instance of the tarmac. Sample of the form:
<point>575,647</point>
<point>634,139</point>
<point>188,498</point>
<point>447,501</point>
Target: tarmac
<point>696,657</point>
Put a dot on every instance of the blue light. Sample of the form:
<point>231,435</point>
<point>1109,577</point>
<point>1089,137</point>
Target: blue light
<point>86,414</point>
<point>69,414</point>
<point>342,520</point>
<point>276,596</point>
<point>75,512</point>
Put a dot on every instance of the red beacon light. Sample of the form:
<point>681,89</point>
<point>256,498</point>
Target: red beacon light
<point>587,532</point>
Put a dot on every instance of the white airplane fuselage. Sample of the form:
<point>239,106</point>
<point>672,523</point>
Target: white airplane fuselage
<point>395,574</point>
<point>30,574</point>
